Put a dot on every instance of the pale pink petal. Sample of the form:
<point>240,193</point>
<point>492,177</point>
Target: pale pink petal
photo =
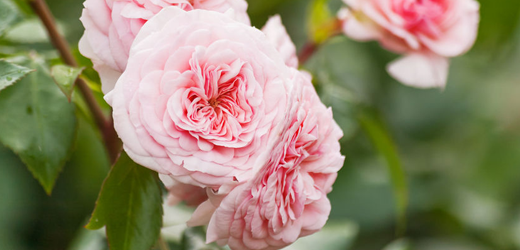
<point>459,38</point>
<point>361,30</point>
<point>353,3</point>
<point>286,198</point>
<point>276,33</point>
<point>420,70</point>
<point>108,77</point>
<point>202,214</point>
<point>111,27</point>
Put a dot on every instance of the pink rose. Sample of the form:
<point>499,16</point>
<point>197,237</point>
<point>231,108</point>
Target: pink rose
<point>288,197</point>
<point>276,33</point>
<point>112,25</point>
<point>201,98</point>
<point>428,32</point>
<point>180,192</point>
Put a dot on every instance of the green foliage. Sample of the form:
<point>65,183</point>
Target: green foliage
<point>13,207</point>
<point>10,73</point>
<point>129,204</point>
<point>382,140</point>
<point>28,31</point>
<point>499,19</point>
<point>65,77</point>
<point>89,171</point>
<point>336,235</point>
<point>321,23</point>
<point>9,15</point>
<point>23,7</point>
<point>400,244</point>
<point>38,123</point>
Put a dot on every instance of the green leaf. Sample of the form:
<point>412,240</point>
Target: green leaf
<point>28,31</point>
<point>10,73</point>
<point>321,23</point>
<point>24,8</point>
<point>15,208</point>
<point>9,15</point>
<point>382,140</point>
<point>130,205</point>
<point>65,77</point>
<point>38,123</point>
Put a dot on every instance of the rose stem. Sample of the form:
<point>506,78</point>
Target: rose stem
<point>310,47</point>
<point>307,51</point>
<point>105,125</point>
<point>163,245</point>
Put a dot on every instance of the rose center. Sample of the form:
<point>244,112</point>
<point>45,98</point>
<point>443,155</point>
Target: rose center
<point>214,102</point>
<point>422,16</point>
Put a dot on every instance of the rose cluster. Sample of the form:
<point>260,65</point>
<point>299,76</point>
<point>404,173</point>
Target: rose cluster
<point>220,110</point>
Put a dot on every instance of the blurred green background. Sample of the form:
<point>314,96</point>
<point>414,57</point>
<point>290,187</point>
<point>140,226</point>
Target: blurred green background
<point>460,147</point>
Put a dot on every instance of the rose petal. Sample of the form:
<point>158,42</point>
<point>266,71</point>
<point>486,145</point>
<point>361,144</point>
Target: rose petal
<point>420,70</point>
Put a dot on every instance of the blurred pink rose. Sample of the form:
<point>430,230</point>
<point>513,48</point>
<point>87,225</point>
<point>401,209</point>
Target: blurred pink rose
<point>111,26</point>
<point>428,32</point>
<point>288,197</point>
<point>201,98</point>
<point>276,33</point>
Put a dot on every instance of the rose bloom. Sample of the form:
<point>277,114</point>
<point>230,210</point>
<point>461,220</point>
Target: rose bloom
<point>288,197</point>
<point>194,195</point>
<point>428,32</point>
<point>202,98</point>
<point>276,33</point>
<point>112,25</point>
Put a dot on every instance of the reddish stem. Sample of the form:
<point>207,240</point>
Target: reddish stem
<point>106,127</point>
<point>311,46</point>
<point>307,51</point>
